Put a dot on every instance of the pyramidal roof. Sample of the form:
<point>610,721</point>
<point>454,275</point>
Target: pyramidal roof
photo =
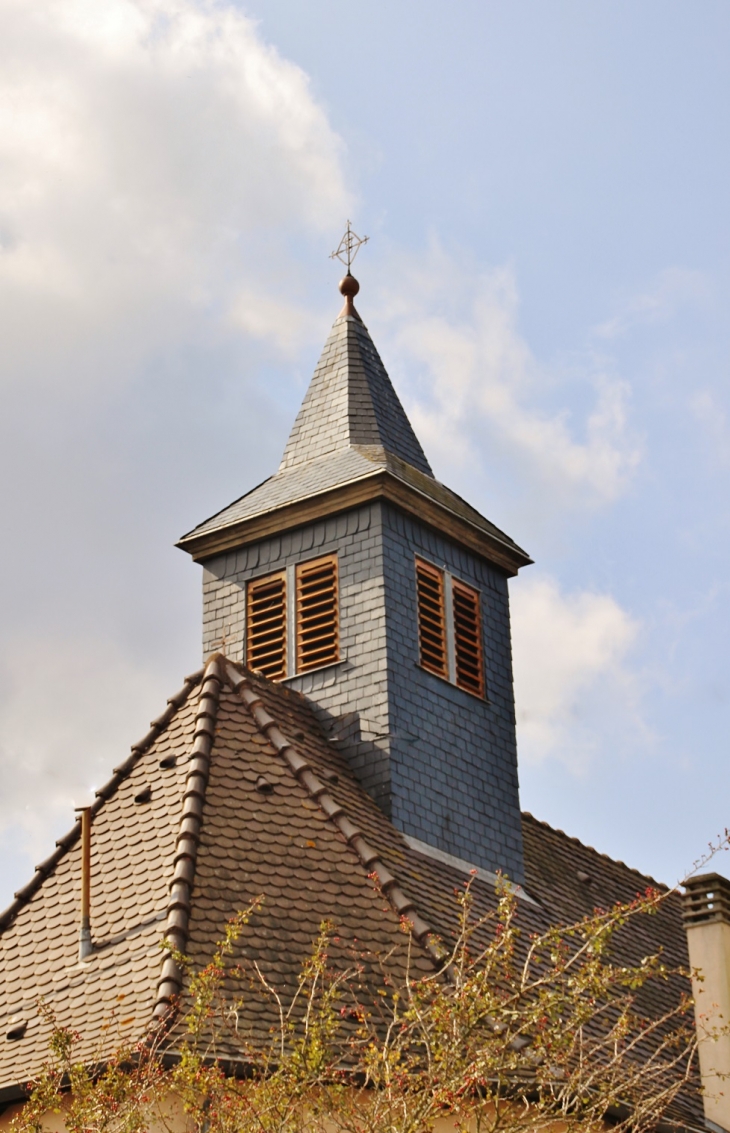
<point>351,403</point>
<point>351,441</point>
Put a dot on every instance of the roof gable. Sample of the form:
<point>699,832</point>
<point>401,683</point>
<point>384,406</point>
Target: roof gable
<point>182,839</point>
<point>264,835</point>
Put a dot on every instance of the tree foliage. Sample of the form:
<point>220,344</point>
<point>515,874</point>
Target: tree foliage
<point>512,1031</point>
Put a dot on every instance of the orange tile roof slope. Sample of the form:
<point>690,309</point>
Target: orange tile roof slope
<point>210,840</point>
<point>572,879</point>
<point>428,883</point>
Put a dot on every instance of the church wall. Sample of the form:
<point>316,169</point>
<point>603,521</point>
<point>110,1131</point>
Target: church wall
<point>453,756</point>
<point>173,1119</point>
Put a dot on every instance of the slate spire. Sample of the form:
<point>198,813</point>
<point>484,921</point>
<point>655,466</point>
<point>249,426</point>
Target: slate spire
<point>355,497</point>
<point>351,402</point>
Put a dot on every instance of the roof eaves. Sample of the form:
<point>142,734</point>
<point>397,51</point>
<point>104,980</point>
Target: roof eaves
<point>401,904</point>
<point>46,868</point>
<point>381,482</point>
<point>197,539</point>
<point>186,848</point>
<point>432,488</point>
<point>497,540</point>
<point>204,523</point>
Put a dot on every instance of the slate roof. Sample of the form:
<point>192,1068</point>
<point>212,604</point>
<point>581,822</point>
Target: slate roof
<point>351,427</point>
<point>236,792</point>
<point>351,402</point>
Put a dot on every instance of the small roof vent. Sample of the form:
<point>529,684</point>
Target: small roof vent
<point>167,762</point>
<point>263,786</point>
<point>16,1029</point>
<point>583,876</point>
<point>144,795</point>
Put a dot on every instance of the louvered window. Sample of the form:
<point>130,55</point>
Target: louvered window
<point>316,614</point>
<point>431,620</point>
<point>467,638</point>
<point>266,625</point>
<point>449,628</point>
<point>302,601</point>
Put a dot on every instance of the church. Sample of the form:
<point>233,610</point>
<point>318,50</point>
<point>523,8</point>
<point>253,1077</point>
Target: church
<point>353,721</point>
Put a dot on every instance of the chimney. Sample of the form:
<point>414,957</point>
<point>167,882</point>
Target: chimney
<point>707,921</point>
<point>85,945</point>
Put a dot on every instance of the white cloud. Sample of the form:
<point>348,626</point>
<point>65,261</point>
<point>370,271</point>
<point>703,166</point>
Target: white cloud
<point>157,159</point>
<point>570,669</point>
<point>65,720</point>
<point>480,393</point>
<point>712,418</point>
<point>163,170</point>
<point>285,325</point>
<point>674,288</point>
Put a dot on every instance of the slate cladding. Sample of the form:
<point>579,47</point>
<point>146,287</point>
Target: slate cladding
<point>356,687</point>
<point>441,763</point>
<point>312,843</point>
<point>363,432</point>
<point>453,756</point>
<point>351,402</point>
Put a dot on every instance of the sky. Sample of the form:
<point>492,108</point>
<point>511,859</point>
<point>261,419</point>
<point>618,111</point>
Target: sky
<point>545,186</point>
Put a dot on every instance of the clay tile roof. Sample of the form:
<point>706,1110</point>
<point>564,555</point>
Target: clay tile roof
<point>132,846</point>
<point>207,840</point>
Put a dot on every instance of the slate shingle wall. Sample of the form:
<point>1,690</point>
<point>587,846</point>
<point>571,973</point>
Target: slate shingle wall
<point>442,763</point>
<point>453,756</point>
<point>358,684</point>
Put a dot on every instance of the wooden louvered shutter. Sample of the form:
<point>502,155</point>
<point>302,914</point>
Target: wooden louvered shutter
<point>468,639</point>
<point>431,620</point>
<point>266,625</point>
<point>318,639</point>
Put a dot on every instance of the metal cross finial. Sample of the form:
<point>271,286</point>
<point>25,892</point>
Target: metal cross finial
<point>348,247</point>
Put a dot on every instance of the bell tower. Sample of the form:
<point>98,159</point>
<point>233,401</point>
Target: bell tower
<point>357,579</point>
